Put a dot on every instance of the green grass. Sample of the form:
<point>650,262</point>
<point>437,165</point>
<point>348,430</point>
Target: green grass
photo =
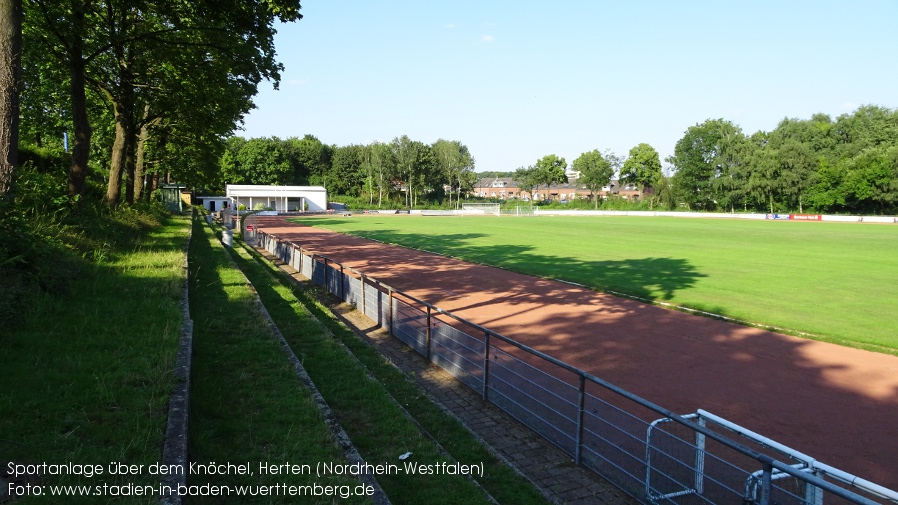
<point>247,404</point>
<point>369,409</point>
<point>87,375</point>
<point>835,281</point>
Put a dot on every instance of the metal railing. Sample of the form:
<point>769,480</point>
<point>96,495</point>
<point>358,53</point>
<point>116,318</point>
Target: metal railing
<point>674,459</point>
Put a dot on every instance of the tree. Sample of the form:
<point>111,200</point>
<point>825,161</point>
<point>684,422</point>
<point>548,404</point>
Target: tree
<point>453,159</point>
<point>126,49</point>
<point>311,159</point>
<point>799,171</point>
<point>10,68</point>
<point>550,169</point>
<point>527,179</point>
<point>346,177</point>
<point>643,168</point>
<point>595,172</point>
<point>765,171</point>
<point>63,30</point>
<point>413,160</point>
<point>705,152</point>
<point>257,161</point>
<point>382,165</point>
<point>871,180</point>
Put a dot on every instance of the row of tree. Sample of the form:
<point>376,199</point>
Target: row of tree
<point>642,167</point>
<point>410,169</point>
<point>823,165</point>
<point>137,87</point>
<point>817,165</point>
<point>846,165</point>
<point>378,171</point>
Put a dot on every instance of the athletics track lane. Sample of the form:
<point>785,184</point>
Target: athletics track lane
<point>836,404</point>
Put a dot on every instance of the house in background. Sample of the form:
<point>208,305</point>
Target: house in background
<point>278,198</point>
<point>506,188</point>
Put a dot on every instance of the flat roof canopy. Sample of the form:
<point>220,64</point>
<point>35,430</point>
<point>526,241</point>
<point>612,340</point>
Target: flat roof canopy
<point>279,197</point>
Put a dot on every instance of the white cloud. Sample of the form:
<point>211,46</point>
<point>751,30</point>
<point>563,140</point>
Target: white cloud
<point>487,38</point>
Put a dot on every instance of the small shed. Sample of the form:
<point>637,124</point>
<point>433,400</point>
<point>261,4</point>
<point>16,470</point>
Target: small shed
<point>214,203</point>
<point>173,197</point>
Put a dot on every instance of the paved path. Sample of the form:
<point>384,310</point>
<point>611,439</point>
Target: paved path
<point>837,404</point>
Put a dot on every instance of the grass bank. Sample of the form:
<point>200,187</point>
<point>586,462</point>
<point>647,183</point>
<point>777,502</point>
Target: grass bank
<point>365,393</point>
<point>87,373</point>
<point>248,407</point>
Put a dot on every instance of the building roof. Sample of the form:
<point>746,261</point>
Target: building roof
<point>253,190</point>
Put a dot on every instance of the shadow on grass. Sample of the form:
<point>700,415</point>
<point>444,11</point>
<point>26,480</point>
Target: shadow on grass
<point>646,278</point>
<point>247,403</point>
<point>89,372</point>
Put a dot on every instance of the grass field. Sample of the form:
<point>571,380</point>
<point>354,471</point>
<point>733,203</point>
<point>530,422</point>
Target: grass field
<point>835,281</point>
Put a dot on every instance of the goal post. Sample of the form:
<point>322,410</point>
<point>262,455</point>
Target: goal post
<point>523,210</point>
<point>480,209</point>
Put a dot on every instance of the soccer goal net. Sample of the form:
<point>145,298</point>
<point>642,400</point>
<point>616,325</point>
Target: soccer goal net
<point>521,210</point>
<point>481,209</point>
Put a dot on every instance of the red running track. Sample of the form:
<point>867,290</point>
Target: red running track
<point>837,404</point>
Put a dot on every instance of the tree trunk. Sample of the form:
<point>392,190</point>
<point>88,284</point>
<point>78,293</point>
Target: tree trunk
<point>10,72</point>
<point>130,167</point>
<point>80,121</point>
<point>139,168</point>
<point>118,159</point>
<point>380,190</point>
<point>153,184</point>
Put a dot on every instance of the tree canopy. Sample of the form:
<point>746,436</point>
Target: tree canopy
<point>145,88</point>
<point>817,164</point>
<point>596,172</point>
<point>643,168</point>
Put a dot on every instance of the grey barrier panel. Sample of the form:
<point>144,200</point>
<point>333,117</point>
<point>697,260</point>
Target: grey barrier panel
<point>317,271</point>
<point>614,444</point>
<point>306,269</point>
<point>374,303</point>
<point>288,253</point>
<point>352,289</point>
<point>458,353</point>
<point>334,279</point>
<point>546,404</point>
<point>410,326</point>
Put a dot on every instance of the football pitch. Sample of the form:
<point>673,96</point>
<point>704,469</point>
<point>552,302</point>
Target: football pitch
<point>834,281</point>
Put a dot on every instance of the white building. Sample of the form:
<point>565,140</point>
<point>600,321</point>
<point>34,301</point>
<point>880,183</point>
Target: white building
<point>214,203</point>
<point>279,198</point>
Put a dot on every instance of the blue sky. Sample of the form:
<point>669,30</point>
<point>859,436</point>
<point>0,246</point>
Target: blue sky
<point>516,80</point>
